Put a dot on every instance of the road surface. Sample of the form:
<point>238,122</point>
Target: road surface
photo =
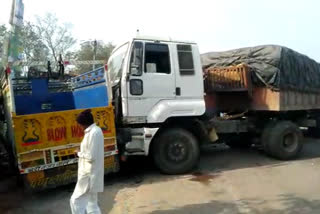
<point>227,181</point>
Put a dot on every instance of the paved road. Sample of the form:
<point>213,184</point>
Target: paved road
<point>227,181</point>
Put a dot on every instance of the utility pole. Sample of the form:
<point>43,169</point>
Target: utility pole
<point>94,44</point>
<point>94,53</point>
<point>13,49</point>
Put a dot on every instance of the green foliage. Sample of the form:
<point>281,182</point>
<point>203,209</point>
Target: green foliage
<point>86,52</point>
<point>3,33</point>
<point>47,38</point>
<point>33,47</point>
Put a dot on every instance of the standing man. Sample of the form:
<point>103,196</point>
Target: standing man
<point>90,167</point>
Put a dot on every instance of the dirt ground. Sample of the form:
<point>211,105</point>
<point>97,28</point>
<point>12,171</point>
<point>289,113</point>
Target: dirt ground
<point>226,181</point>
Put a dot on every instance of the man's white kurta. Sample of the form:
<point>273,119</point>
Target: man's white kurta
<point>91,161</point>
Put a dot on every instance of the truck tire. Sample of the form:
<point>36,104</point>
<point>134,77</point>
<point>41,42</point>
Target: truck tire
<point>176,151</point>
<point>265,136</point>
<point>282,140</point>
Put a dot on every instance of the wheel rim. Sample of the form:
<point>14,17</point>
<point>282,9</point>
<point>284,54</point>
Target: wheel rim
<point>176,151</point>
<point>290,142</point>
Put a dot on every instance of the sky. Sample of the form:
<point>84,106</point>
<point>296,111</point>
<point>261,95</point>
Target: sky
<point>216,25</point>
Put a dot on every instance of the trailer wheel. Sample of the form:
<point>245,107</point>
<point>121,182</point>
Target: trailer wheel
<point>282,140</point>
<point>266,135</point>
<point>176,151</point>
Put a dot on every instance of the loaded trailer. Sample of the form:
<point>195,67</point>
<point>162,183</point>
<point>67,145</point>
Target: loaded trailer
<point>273,89</point>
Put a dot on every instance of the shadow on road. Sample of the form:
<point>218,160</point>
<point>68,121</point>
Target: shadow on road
<point>291,205</point>
<point>214,159</point>
<point>221,158</point>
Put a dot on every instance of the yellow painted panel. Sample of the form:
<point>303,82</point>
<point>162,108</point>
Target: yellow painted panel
<point>63,175</point>
<point>31,156</point>
<point>110,141</point>
<point>65,152</point>
<point>36,175</point>
<point>46,130</point>
<point>109,162</point>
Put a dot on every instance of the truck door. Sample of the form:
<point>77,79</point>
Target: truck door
<point>189,77</point>
<point>151,78</point>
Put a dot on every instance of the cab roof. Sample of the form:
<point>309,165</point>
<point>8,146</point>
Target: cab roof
<point>153,38</point>
<point>161,39</point>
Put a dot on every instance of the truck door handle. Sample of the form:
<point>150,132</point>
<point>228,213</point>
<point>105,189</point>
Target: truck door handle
<point>178,91</point>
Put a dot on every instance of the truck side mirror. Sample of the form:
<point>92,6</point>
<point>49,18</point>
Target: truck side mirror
<point>135,70</point>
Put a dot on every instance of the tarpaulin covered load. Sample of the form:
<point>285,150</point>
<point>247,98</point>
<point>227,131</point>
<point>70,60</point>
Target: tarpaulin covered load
<point>273,66</point>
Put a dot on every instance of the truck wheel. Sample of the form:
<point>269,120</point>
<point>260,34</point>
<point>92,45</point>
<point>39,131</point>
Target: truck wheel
<point>176,151</point>
<point>282,140</point>
<point>266,134</point>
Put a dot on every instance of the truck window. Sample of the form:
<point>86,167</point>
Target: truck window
<point>115,64</point>
<point>185,57</point>
<point>157,58</point>
<point>136,59</point>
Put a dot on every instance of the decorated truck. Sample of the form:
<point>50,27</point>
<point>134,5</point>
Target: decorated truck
<point>42,133</point>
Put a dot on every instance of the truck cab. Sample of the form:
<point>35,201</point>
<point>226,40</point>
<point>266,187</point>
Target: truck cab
<point>158,94</point>
<point>159,79</point>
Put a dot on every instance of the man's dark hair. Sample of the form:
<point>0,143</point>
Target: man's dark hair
<point>85,118</point>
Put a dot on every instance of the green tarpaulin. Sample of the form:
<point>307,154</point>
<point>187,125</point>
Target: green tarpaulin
<point>273,66</point>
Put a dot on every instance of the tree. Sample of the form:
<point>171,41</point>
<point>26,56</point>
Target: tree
<point>86,52</point>
<point>28,42</point>
<point>33,47</point>
<point>42,41</point>
<point>3,34</point>
<point>55,36</point>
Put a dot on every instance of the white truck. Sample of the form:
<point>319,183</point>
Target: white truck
<point>162,105</point>
<point>158,95</point>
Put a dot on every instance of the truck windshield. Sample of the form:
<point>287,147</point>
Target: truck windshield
<point>115,64</point>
